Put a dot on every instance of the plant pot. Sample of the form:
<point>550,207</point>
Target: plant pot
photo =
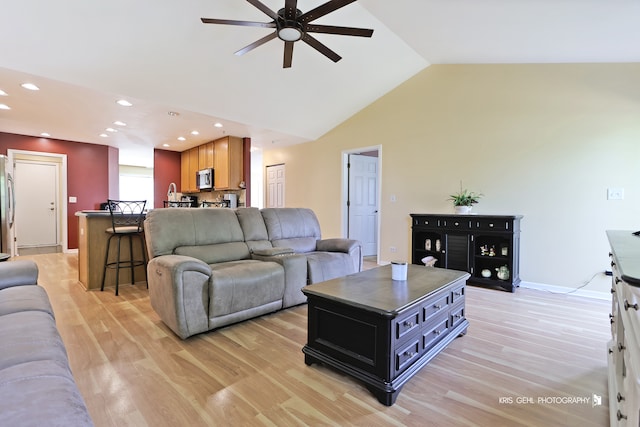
<point>462,209</point>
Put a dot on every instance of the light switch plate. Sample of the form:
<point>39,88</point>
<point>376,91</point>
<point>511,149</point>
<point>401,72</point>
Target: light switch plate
<point>615,193</point>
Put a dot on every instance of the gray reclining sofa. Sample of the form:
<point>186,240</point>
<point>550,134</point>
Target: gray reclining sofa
<point>37,387</point>
<point>211,267</point>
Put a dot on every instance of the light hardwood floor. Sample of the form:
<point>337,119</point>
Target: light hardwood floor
<point>133,371</point>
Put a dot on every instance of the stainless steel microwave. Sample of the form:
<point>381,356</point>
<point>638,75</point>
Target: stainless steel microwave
<point>204,179</point>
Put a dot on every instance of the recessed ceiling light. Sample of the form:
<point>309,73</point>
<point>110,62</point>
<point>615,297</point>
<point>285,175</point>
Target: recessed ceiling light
<point>166,145</point>
<point>218,125</point>
<point>119,123</point>
<point>195,132</point>
<point>4,107</point>
<point>30,86</point>
<point>124,103</point>
<point>3,93</point>
<point>45,134</point>
<point>104,135</point>
<point>182,138</point>
<point>111,130</point>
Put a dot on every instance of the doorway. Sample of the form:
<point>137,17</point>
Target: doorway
<point>275,186</point>
<point>361,195</point>
<point>40,190</point>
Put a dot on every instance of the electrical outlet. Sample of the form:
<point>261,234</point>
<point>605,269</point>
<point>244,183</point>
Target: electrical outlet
<point>615,193</point>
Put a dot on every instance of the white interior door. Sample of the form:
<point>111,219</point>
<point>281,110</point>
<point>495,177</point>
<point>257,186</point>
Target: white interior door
<point>275,186</point>
<point>363,202</point>
<point>36,210</point>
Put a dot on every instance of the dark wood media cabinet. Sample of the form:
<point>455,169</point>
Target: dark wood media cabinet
<point>486,246</point>
<point>380,331</point>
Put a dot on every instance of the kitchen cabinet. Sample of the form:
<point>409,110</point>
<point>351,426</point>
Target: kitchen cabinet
<point>487,246</point>
<point>206,156</point>
<point>189,165</point>
<point>224,155</point>
<point>228,163</point>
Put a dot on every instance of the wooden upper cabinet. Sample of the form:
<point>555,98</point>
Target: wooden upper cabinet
<point>224,155</point>
<point>205,156</point>
<point>228,161</point>
<point>189,165</point>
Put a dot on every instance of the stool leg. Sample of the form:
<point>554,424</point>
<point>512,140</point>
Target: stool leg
<point>132,264</point>
<point>144,258</point>
<point>118,265</point>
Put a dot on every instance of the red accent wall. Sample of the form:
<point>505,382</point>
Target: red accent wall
<point>87,172</point>
<point>166,169</point>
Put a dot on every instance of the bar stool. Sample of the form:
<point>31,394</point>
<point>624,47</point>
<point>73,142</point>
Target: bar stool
<point>126,221</point>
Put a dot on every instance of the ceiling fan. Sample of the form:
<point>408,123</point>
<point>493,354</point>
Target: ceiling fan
<point>291,25</point>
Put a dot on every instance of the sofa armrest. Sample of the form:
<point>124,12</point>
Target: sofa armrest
<point>17,273</point>
<point>295,274</point>
<point>179,293</point>
<point>348,246</point>
<point>337,245</point>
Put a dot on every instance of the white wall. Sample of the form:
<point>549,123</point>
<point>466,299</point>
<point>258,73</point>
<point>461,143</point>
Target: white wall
<point>544,141</point>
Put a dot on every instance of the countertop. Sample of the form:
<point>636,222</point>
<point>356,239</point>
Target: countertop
<point>625,248</point>
<point>92,213</point>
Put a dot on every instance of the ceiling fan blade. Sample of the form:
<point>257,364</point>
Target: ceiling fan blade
<point>270,13</point>
<point>242,23</point>
<point>255,44</point>
<point>324,9</point>
<point>290,9</point>
<point>321,48</point>
<point>288,55</point>
<point>345,31</point>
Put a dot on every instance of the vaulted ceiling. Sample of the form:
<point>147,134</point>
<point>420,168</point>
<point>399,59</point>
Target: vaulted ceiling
<point>86,55</point>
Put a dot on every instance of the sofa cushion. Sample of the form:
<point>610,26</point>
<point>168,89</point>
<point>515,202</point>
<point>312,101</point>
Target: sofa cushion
<point>41,393</point>
<point>241,285</point>
<point>29,336</point>
<point>296,228</point>
<point>18,273</point>
<point>24,298</point>
<point>222,252</point>
<point>255,231</point>
<point>172,228</point>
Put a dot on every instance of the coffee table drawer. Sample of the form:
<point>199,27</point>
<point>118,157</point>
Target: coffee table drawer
<point>433,308</point>
<point>457,315</point>
<point>457,294</point>
<point>407,324</point>
<point>406,355</point>
<point>436,330</point>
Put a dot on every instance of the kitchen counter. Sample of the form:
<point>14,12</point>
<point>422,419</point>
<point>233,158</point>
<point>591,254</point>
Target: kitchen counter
<point>92,246</point>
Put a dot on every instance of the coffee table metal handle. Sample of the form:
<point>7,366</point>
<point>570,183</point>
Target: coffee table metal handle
<point>408,324</point>
<point>437,306</point>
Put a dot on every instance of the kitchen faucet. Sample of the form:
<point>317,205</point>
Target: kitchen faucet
<point>172,193</point>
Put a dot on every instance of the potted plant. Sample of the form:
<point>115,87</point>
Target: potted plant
<point>464,200</point>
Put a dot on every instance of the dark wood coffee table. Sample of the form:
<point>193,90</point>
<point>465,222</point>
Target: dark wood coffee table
<point>381,331</point>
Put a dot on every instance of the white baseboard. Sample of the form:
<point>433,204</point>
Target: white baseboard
<point>564,290</point>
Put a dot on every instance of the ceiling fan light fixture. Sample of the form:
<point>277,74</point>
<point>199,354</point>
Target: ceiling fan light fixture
<point>290,34</point>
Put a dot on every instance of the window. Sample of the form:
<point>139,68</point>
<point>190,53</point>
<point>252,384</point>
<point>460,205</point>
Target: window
<point>136,183</point>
